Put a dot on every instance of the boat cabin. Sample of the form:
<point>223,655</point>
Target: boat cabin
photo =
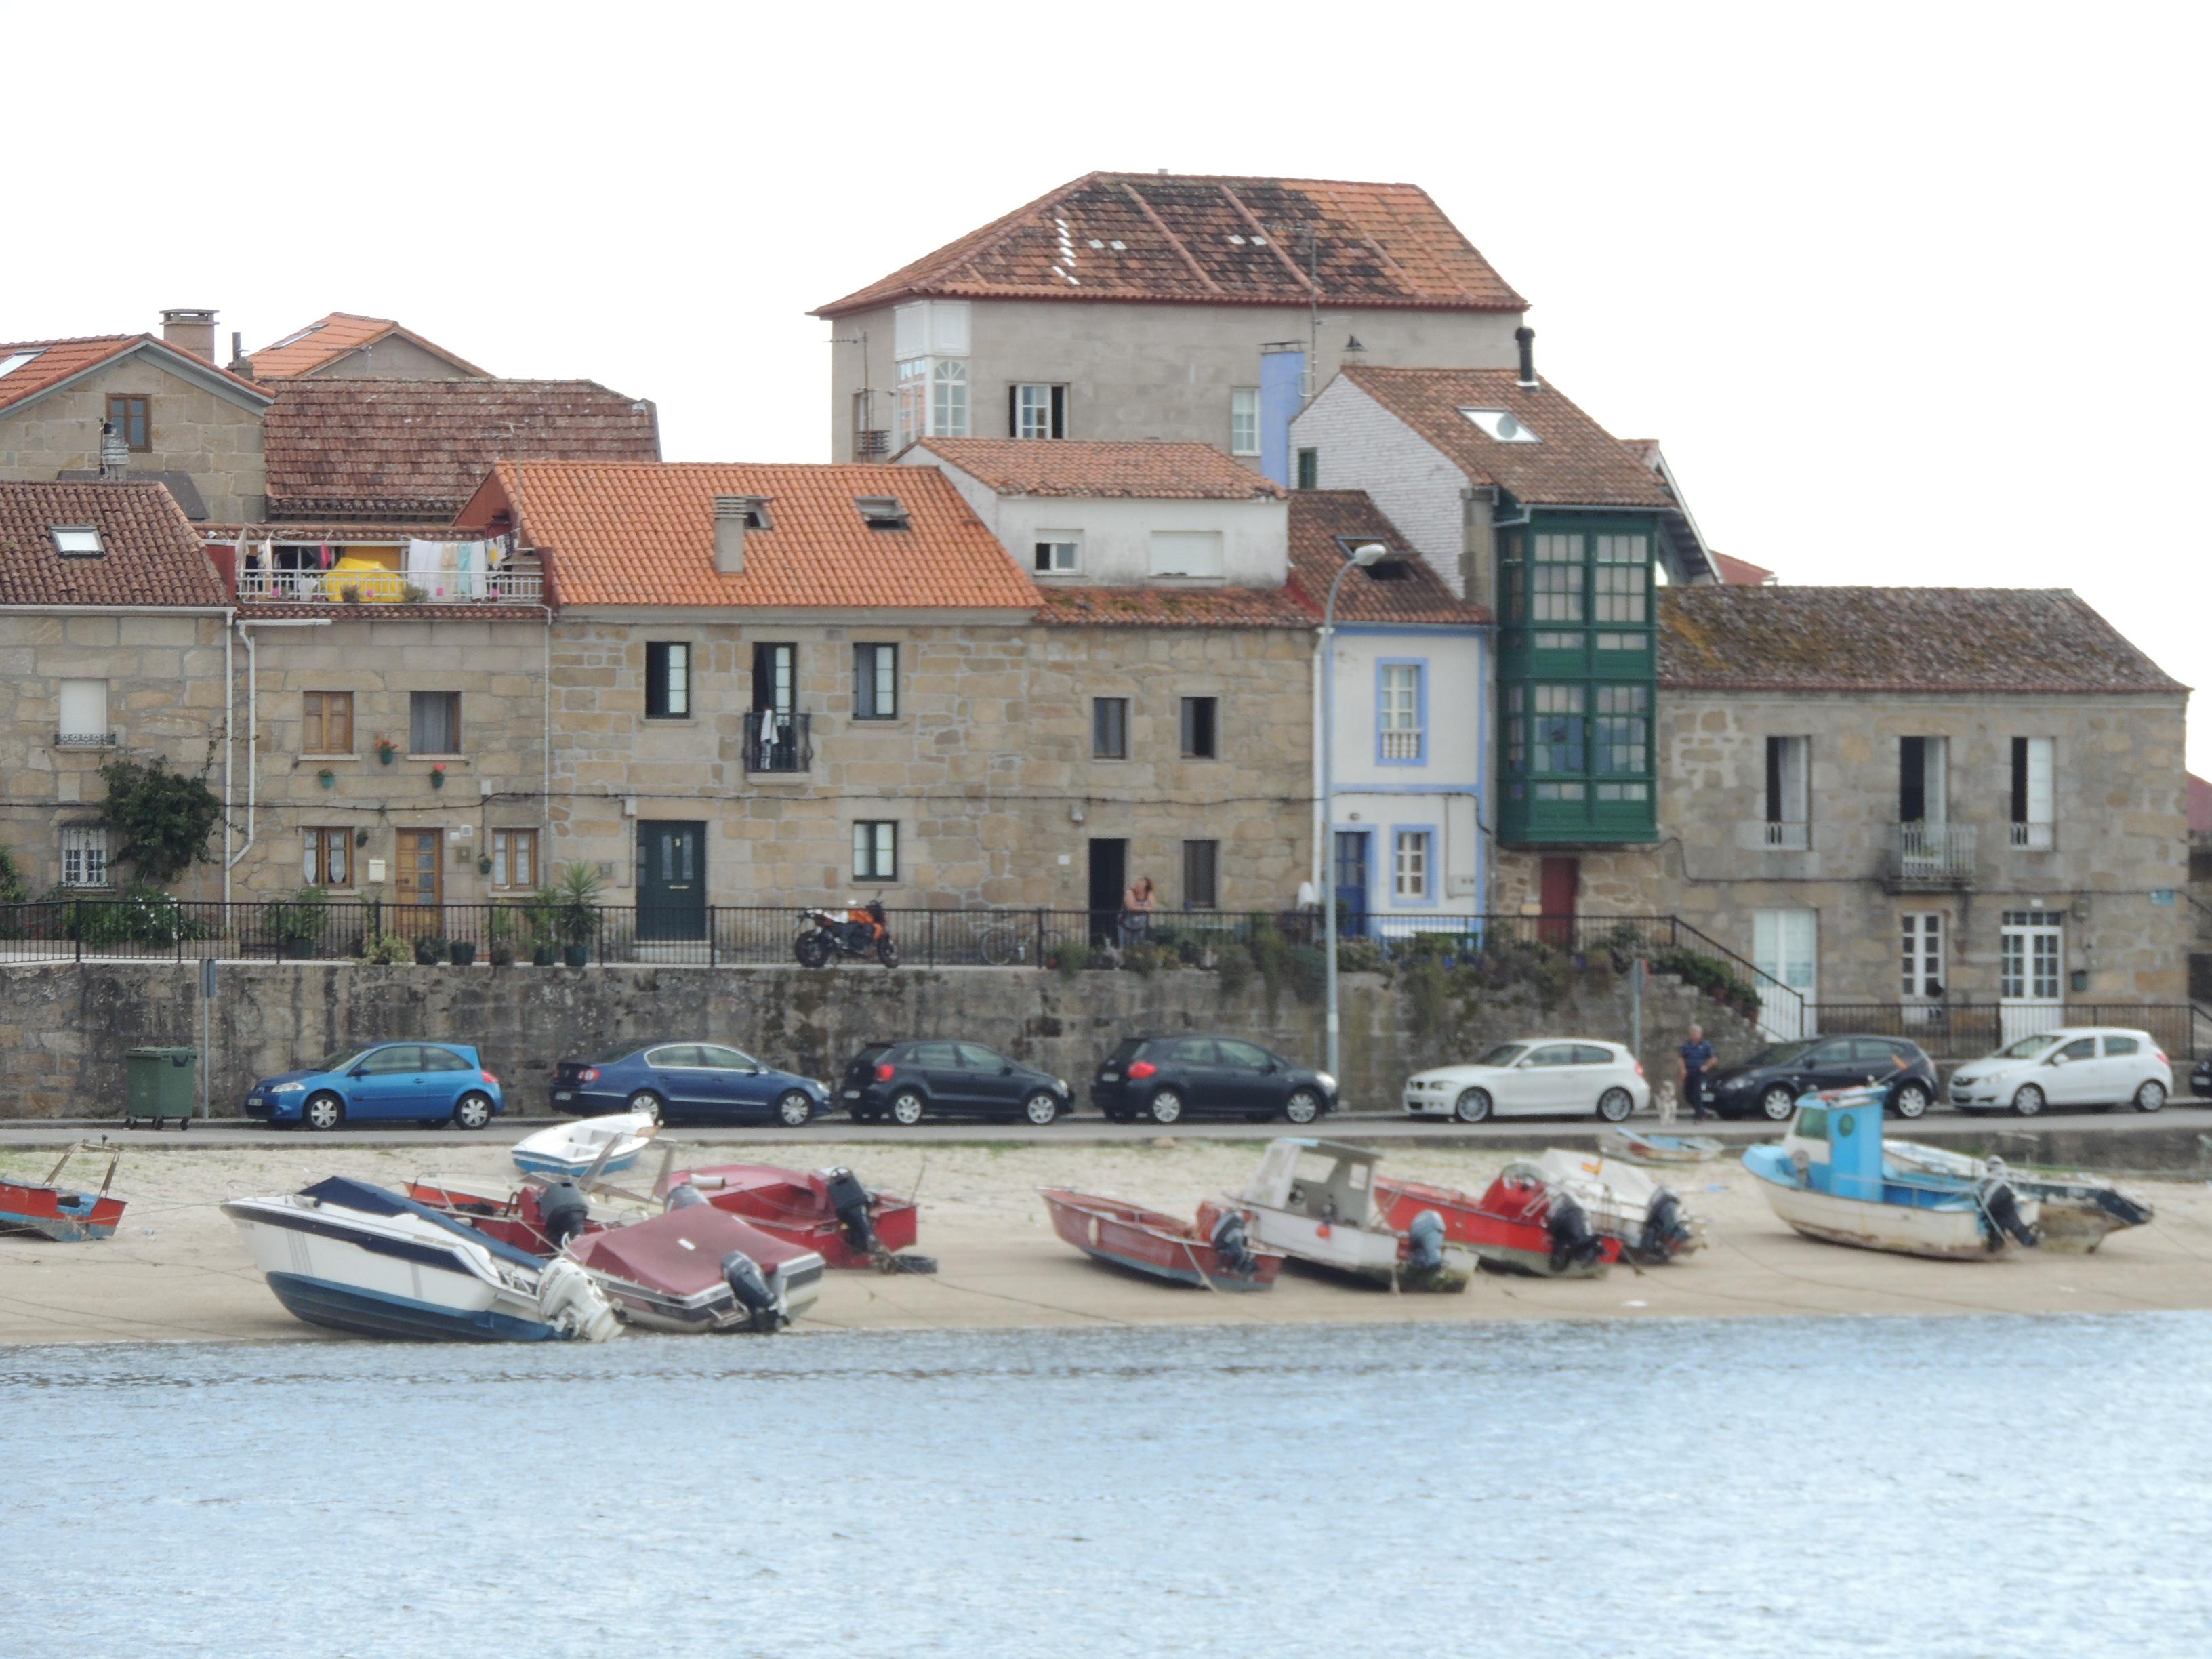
<point>1321,1180</point>
<point>1835,1144</point>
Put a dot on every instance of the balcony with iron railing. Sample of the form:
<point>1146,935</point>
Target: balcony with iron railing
<point>2032,837</point>
<point>778,740</point>
<point>1933,856</point>
<point>392,587</point>
<point>85,740</point>
<point>1787,837</point>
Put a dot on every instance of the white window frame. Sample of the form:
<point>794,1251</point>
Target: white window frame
<point>1186,553</point>
<point>1791,831</point>
<point>81,712</point>
<point>2035,833</point>
<point>504,843</point>
<point>1244,420</point>
<point>1413,865</point>
<point>84,855</point>
<point>1398,713</point>
<point>1921,944</point>
<point>1032,409</point>
<point>875,667</point>
<point>1056,553</point>
<point>948,397</point>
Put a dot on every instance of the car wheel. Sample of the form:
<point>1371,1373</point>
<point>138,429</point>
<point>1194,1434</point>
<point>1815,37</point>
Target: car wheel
<point>472,1111</point>
<point>1777,1104</point>
<point>2028,1101</point>
<point>907,1108</point>
<point>2151,1097</point>
<point>323,1111</point>
<point>647,1102</point>
<point>1615,1104</point>
<point>1302,1107</point>
<point>793,1109</point>
<point>1912,1101</point>
<point>1040,1108</point>
<point>1166,1107</point>
<point>1472,1107</point>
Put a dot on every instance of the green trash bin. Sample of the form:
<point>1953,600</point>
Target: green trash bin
<point>160,1085</point>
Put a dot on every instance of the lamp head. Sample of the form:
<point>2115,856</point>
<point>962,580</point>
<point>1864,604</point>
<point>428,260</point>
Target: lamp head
<point>1368,553</point>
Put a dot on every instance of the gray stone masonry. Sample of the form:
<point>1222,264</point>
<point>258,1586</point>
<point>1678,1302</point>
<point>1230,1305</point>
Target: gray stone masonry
<point>194,431</point>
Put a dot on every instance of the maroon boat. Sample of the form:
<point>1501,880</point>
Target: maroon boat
<point>828,1212</point>
<point>1523,1224</point>
<point>520,1217</point>
<point>46,1210</point>
<point>1215,1253</point>
<point>695,1267</point>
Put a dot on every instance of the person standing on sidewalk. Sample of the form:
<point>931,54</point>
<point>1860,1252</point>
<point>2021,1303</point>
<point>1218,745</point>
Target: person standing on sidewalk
<point>1697,1067</point>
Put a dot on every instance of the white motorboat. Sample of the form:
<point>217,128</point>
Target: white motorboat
<point>589,1145</point>
<point>1623,1202</point>
<point>1315,1201</point>
<point>2077,1210</point>
<point>354,1257</point>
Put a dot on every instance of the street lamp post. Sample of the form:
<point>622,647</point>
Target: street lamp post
<point>1363,556</point>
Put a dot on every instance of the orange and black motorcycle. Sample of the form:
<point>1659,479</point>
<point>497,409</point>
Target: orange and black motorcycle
<point>860,931</point>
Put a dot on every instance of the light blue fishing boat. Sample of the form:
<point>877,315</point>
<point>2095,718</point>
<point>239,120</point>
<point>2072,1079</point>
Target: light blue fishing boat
<point>1829,1180</point>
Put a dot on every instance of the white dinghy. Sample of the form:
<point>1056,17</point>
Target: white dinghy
<point>591,1146</point>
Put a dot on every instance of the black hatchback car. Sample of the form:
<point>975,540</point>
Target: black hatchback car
<point>907,1082</point>
<point>1169,1078</point>
<point>2200,1080</point>
<point>1768,1084</point>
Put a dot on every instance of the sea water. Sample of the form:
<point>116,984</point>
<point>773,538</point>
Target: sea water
<point>1963,1487</point>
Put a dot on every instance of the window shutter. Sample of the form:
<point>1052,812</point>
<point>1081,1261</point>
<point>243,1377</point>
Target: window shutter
<point>1774,779</point>
<point>1911,780</point>
<point>2038,780</point>
<point>1013,411</point>
<point>2019,780</point>
<point>1059,412</point>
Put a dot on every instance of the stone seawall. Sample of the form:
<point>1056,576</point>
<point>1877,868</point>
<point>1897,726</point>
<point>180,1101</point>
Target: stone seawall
<point>63,1027</point>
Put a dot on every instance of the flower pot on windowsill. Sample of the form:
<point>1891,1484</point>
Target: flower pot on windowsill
<point>386,752</point>
<point>462,953</point>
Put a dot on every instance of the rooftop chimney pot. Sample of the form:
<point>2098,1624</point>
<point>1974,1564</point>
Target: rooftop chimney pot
<point>190,328</point>
<point>732,513</point>
<point>240,364</point>
<point>1525,337</point>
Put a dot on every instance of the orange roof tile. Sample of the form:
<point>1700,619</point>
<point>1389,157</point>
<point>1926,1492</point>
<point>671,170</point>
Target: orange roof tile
<point>643,533</point>
<point>52,362</point>
<point>309,347</point>
<point>1742,573</point>
<point>1147,236</point>
<point>1325,525</point>
<point>1172,607</point>
<point>151,552</point>
<point>1018,466</point>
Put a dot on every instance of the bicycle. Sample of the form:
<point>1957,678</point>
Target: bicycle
<point>1003,943</point>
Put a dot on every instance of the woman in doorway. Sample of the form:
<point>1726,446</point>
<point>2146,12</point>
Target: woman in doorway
<point>1137,907</point>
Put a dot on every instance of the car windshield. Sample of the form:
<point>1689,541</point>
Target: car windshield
<point>1777,1054</point>
<point>2026,1048</point>
<point>344,1062</point>
<point>1503,1054</point>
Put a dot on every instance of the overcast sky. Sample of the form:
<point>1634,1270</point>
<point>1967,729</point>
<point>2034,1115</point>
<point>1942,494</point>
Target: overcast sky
<point>1913,293</point>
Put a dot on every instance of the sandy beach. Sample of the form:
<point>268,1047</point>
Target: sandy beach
<point>177,1272</point>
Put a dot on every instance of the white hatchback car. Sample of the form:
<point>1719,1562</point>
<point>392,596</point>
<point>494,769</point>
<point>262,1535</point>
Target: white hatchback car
<point>2077,1066</point>
<point>1542,1076</point>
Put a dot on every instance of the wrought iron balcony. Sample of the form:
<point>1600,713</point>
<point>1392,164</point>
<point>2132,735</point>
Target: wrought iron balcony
<point>1934,855</point>
<point>392,587</point>
<point>84,740</point>
<point>1787,837</point>
<point>778,740</point>
<point>2032,837</point>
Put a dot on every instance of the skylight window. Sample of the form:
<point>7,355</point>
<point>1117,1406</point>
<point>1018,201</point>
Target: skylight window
<point>293,339</point>
<point>14,360</point>
<point>881,512</point>
<point>77,541</point>
<point>1499,426</point>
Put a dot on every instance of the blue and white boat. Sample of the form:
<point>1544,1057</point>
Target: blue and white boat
<point>1829,1180</point>
<point>589,1147</point>
<point>354,1257</point>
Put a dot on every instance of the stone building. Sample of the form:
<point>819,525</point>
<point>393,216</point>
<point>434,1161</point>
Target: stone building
<point>1055,321</point>
<point>1891,797</point>
<point>345,346</point>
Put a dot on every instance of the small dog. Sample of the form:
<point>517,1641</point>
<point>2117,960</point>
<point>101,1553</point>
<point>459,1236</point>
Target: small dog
<point>1663,1098</point>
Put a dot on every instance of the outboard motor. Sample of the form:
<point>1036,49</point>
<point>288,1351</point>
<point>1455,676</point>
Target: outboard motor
<point>1666,1231</point>
<point>562,1212</point>
<point>1231,1247</point>
<point>1425,1241</point>
<point>849,1198</point>
<point>2002,1210</point>
<point>750,1288</point>
<point>1573,1243</point>
<point>683,1197</point>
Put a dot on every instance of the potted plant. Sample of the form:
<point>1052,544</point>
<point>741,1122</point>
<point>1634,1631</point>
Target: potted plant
<point>483,864</point>
<point>579,913</point>
<point>297,923</point>
<point>461,952</point>
<point>327,778</point>
<point>428,949</point>
<point>438,776</point>
<point>387,751</point>
<point>500,933</point>
<point>541,912</point>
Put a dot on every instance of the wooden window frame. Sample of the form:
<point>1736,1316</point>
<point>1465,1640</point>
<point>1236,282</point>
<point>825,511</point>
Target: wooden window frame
<point>503,842</point>
<point>1099,750</point>
<point>122,423</point>
<point>325,840</point>
<point>315,711</point>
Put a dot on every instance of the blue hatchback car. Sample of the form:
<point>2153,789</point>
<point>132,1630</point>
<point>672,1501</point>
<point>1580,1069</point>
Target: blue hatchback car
<point>700,1081</point>
<point>384,1083</point>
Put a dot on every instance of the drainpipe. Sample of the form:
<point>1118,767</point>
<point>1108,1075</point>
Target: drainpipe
<point>254,722</point>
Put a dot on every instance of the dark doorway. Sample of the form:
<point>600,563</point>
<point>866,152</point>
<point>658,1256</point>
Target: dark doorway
<point>1562,880</point>
<point>672,880</point>
<point>1352,877</point>
<point>1109,880</point>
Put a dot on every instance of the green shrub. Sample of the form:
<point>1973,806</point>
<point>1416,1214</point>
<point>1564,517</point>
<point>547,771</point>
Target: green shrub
<point>12,888</point>
<point>1068,960</point>
<point>1428,987</point>
<point>386,950</point>
<point>1235,965</point>
<point>1144,959</point>
<point>297,923</point>
<point>140,915</point>
<point>1307,970</point>
<point>162,819</point>
<point>1712,976</point>
<point>1360,956</point>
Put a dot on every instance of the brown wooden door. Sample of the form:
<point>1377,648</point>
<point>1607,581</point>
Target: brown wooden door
<point>417,882</point>
<point>1562,880</point>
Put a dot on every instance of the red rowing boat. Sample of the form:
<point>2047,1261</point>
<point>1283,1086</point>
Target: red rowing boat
<point>817,1209</point>
<point>48,1211</point>
<point>517,1218</point>
<point>1213,1254</point>
<point>1521,1223</point>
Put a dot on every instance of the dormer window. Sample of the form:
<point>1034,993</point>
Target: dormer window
<point>1500,426</point>
<point>77,541</point>
<point>881,512</point>
<point>1392,568</point>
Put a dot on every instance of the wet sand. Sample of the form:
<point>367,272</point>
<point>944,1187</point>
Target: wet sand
<point>177,1271</point>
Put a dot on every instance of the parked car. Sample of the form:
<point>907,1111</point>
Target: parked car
<point>907,1082</point>
<point>1768,1084</point>
<point>2200,1080</point>
<point>2075,1066</point>
<point>694,1082</point>
<point>1539,1076</point>
<point>386,1082</point>
<point>1169,1078</point>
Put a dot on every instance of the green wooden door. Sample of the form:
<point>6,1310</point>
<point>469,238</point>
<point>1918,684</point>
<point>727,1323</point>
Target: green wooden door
<point>672,880</point>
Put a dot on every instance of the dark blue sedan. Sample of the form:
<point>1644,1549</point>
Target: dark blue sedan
<point>384,1083</point>
<point>698,1081</point>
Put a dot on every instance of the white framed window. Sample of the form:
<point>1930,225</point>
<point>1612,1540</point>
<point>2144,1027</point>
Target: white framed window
<point>2033,808</point>
<point>1186,553</point>
<point>875,682</point>
<point>1409,865</point>
<point>1036,410</point>
<point>875,850</point>
<point>2031,946</point>
<point>911,401</point>
<point>1057,552</point>
<point>1244,421</point>
<point>515,858</point>
<point>77,541</point>
<point>1398,712</point>
<point>948,398</point>
<point>83,713</point>
<point>84,855</point>
<point>1789,795</point>
<point>1920,966</point>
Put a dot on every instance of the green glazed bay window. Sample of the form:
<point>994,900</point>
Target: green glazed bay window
<point>1575,679</point>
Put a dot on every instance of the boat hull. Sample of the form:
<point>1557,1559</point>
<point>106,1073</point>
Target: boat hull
<point>574,1149</point>
<point>786,1204</point>
<point>1949,1233</point>
<point>1640,1148</point>
<point>65,1217</point>
<point>361,1312</point>
<point>665,1273</point>
<point>1150,1243</point>
<point>1500,1239</point>
<point>2079,1211</point>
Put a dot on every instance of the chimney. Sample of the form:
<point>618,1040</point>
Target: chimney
<point>114,452</point>
<point>190,328</point>
<point>1525,337</point>
<point>733,515</point>
<point>240,364</point>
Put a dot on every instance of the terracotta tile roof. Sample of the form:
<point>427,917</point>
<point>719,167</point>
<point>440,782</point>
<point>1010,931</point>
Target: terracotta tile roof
<point>1147,236</point>
<point>403,449</point>
<point>309,348</point>
<point>1172,607</point>
<point>1895,639</point>
<point>153,553</point>
<point>1574,462</point>
<point>2200,805</point>
<point>612,534</point>
<point>1742,573</point>
<point>1162,470</point>
<point>1323,523</point>
<point>56,360</point>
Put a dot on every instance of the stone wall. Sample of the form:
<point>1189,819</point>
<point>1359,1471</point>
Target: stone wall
<point>193,430</point>
<point>65,1029</point>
